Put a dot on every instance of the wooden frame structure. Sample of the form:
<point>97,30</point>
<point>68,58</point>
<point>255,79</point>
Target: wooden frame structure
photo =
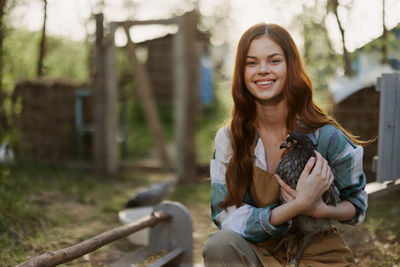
<point>186,88</point>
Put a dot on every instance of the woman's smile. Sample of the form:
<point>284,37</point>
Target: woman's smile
<point>264,83</point>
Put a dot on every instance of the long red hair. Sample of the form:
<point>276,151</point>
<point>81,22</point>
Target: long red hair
<point>297,93</point>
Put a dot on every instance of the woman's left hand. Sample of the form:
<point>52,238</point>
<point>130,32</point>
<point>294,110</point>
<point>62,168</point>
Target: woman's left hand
<point>318,208</point>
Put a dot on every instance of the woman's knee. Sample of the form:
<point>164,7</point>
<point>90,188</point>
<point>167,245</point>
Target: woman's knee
<point>222,240</point>
<point>228,247</point>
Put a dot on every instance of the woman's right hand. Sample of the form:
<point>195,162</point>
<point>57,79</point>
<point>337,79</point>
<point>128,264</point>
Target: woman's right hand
<point>313,182</point>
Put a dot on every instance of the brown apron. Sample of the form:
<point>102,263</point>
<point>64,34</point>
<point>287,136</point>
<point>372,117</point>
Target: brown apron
<point>326,249</point>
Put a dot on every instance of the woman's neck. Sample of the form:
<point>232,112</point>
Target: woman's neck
<point>271,117</point>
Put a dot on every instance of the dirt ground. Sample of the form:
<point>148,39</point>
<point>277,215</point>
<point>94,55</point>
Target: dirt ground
<point>370,246</point>
<point>367,251</point>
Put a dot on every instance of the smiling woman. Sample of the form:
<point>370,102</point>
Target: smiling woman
<point>272,96</point>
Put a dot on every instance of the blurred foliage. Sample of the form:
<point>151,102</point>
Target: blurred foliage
<point>320,59</point>
<point>64,59</point>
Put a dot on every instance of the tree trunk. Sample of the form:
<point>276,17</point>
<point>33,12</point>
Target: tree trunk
<point>3,117</point>
<point>333,6</point>
<point>42,42</point>
<point>384,35</point>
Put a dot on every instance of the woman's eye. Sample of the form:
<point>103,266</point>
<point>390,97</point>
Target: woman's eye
<point>250,63</point>
<point>276,61</point>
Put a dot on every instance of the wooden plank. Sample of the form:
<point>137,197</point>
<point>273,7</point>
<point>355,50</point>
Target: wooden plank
<point>376,189</point>
<point>180,111</point>
<point>396,133</point>
<point>145,93</point>
<point>177,232</point>
<point>386,127</point>
<point>99,98</point>
<point>186,89</point>
<point>105,148</point>
<point>111,118</point>
<point>132,258</point>
<point>130,23</point>
<point>169,257</point>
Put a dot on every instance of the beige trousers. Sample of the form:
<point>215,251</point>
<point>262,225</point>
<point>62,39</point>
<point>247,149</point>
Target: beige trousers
<point>227,248</point>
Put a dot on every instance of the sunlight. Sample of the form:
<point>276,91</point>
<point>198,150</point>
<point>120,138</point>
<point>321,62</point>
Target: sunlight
<point>71,19</point>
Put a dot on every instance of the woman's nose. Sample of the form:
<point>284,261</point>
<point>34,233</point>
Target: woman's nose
<point>264,68</point>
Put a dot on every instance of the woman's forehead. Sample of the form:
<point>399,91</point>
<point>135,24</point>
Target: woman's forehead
<point>264,44</point>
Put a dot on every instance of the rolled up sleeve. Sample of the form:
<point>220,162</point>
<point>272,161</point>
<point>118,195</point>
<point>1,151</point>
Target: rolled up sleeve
<point>345,159</point>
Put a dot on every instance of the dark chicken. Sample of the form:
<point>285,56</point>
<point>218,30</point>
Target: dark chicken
<point>300,149</point>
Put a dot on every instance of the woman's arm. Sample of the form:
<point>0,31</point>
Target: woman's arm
<point>343,211</point>
<point>346,161</point>
<point>247,220</point>
<point>313,182</point>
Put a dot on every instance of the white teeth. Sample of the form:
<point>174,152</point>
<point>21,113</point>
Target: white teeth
<point>264,82</point>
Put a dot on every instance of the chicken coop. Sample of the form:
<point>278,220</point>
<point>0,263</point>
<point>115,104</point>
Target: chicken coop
<point>62,121</point>
<point>359,114</point>
<point>47,122</point>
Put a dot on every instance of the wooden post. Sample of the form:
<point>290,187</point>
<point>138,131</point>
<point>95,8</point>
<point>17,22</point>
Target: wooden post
<point>105,149</point>
<point>145,93</point>
<point>186,90</point>
<point>389,127</point>
<point>174,236</point>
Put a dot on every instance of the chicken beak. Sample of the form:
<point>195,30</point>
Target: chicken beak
<point>284,145</point>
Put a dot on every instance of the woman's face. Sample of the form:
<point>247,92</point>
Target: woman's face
<point>265,69</point>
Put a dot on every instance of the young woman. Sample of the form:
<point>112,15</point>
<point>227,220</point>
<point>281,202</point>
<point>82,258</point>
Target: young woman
<point>273,97</point>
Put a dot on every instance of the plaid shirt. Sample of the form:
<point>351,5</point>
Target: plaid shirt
<point>344,158</point>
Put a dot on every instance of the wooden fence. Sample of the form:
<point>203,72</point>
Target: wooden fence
<point>171,231</point>
<point>388,159</point>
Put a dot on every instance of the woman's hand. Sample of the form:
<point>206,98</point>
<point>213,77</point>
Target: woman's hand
<point>317,209</point>
<point>313,182</point>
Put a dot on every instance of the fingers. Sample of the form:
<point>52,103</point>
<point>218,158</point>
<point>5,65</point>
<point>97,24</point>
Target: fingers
<point>322,169</point>
<point>309,166</point>
<point>331,178</point>
<point>287,192</point>
<point>283,185</point>
<point>287,196</point>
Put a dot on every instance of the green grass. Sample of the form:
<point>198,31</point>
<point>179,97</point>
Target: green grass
<point>383,223</point>
<point>196,195</point>
<point>41,205</point>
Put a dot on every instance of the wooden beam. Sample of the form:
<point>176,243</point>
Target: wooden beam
<point>186,90</point>
<point>145,93</point>
<point>130,23</point>
<point>105,148</point>
<point>389,127</point>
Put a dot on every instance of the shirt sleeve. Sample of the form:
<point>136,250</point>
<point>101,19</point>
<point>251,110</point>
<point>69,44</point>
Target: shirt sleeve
<point>250,222</point>
<point>345,159</point>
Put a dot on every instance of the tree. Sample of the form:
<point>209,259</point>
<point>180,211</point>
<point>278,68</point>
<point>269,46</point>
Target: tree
<point>333,6</point>
<point>319,55</point>
<point>42,42</point>
<point>3,117</point>
<point>384,35</point>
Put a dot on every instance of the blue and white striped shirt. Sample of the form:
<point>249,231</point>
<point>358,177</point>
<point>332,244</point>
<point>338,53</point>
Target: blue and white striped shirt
<point>344,158</point>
